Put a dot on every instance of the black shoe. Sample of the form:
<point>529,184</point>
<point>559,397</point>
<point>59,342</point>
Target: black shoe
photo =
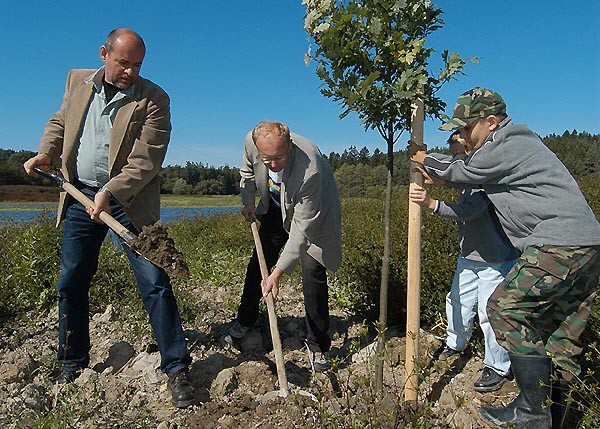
<point>489,381</point>
<point>319,361</point>
<point>181,389</point>
<point>236,333</point>
<point>444,352</point>
<point>67,377</point>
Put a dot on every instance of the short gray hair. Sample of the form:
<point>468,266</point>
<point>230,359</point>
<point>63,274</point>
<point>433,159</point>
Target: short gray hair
<point>266,128</point>
<point>114,35</point>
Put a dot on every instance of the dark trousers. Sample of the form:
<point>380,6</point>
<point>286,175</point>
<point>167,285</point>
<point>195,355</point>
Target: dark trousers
<point>82,239</point>
<point>314,283</point>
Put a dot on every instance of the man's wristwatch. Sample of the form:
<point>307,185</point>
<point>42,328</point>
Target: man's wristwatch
<point>106,191</point>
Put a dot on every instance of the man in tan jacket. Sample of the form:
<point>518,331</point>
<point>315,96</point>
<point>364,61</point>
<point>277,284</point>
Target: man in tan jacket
<point>299,210</point>
<point>111,135</point>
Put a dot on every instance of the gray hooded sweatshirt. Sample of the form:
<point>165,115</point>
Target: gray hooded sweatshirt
<point>536,199</point>
<point>481,237</point>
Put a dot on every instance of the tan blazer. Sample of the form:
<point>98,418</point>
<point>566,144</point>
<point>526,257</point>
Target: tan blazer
<point>138,143</point>
<point>310,202</point>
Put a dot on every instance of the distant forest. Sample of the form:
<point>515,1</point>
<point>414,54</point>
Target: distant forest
<point>359,173</point>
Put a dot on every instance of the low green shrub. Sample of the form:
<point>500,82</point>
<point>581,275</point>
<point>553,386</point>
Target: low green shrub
<point>215,247</point>
<point>355,287</point>
<point>30,268</point>
<point>30,255</point>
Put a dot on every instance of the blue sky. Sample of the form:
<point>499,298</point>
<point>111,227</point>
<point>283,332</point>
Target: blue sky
<point>227,65</point>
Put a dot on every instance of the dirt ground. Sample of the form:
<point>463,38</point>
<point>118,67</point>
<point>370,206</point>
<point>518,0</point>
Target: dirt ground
<point>123,387</point>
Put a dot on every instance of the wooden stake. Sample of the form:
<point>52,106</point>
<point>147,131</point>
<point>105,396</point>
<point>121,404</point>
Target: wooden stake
<point>413,296</point>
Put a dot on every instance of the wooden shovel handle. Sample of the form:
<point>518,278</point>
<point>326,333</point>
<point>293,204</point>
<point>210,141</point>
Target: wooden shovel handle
<point>110,221</point>
<point>283,385</point>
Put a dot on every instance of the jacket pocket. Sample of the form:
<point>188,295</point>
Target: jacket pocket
<point>547,260</point>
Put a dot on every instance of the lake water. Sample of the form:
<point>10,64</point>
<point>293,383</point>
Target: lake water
<point>30,211</point>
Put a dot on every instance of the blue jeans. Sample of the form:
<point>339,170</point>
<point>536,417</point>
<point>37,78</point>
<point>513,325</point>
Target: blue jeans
<point>82,239</point>
<point>473,283</point>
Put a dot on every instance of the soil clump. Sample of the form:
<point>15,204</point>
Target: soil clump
<point>155,244</point>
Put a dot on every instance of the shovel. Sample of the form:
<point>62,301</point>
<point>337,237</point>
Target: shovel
<point>110,221</point>
<point>283,385</point>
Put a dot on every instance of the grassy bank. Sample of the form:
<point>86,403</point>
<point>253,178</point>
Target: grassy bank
<point>170,200</point>
<point>25,206</point>
<point>16,197</point>
<point>28,193</point>
<point>212,246</point>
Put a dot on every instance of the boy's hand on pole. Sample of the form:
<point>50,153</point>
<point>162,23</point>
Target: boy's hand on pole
<point>416,153</point>
<point>427,179</point>
<point>419,195</point>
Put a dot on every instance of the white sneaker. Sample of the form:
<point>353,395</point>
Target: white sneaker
<point>235,333</point>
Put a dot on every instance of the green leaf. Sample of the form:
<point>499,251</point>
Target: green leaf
<point>324,26</point>
<point>400,4</point>
<point>375,26</point>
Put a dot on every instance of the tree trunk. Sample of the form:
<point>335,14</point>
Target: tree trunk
<point>385,266</point>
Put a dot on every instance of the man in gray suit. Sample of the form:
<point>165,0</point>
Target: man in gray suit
<point>299,210</point>
<point>111,135</point>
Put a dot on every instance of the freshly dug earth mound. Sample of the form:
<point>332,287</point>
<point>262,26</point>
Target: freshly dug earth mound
<point>155,244</point>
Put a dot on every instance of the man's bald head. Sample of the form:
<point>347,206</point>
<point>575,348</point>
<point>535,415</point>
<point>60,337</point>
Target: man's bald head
<point>123,35</point>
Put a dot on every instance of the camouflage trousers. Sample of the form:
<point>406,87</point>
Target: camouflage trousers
<point>542,306</point>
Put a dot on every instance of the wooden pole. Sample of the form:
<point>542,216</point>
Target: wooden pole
<point>413,310</point>
<point>279,362</point>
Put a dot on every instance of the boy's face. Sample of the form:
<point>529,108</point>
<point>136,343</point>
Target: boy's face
<point>476,133</point>
<point>456,147</point>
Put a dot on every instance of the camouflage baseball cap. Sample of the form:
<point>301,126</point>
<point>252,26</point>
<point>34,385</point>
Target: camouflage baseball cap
<point>473,105</point>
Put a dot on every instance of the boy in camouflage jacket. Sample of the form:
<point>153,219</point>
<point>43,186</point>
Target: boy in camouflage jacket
<point>541,309</point>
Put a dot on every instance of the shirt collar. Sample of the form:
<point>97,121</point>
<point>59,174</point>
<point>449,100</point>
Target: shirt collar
<point>506,121</point>
<point>98,77</point>
<point>276,175</point>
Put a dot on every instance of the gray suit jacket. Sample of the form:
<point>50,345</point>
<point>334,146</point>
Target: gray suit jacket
<point>310,202</point>
<point>138,143</point>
